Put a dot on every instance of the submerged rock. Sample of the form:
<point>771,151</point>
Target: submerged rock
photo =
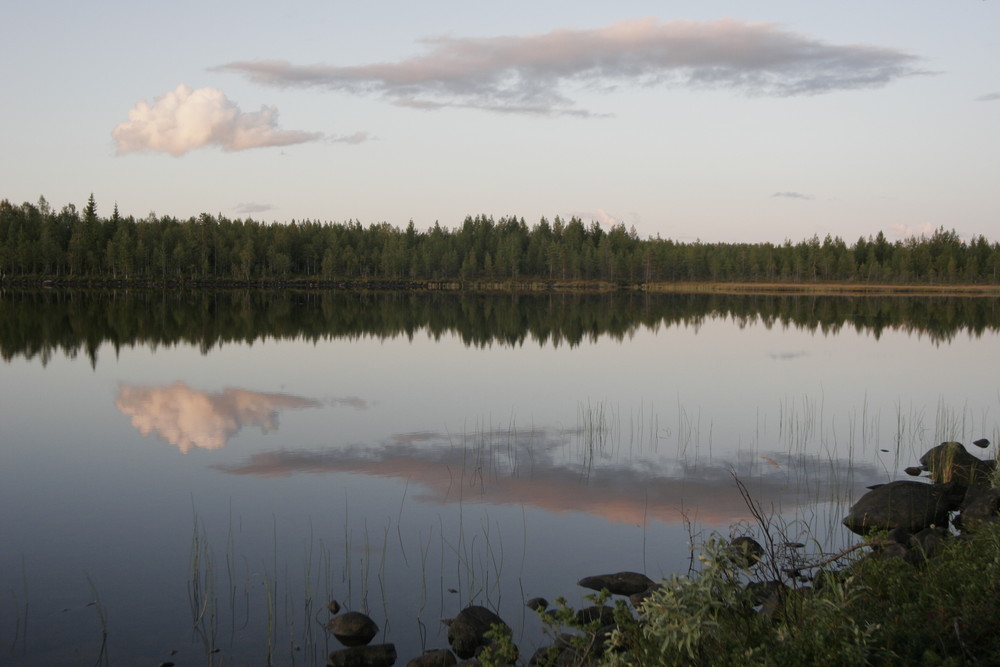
<point>376,655</point>
<point>620,583</point>
<point>440,657</point>
<point>353,628</point>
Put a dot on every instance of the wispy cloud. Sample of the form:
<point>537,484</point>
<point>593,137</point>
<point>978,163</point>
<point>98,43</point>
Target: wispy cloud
<point>356,138</point>
<point>557,480</point>
<point>791,195</point>
<point>602,217</point>
<point>251,207</point>
<point>988,97</point>
<point>907,231</point>
<point>184,119</point>
<point>534,74</point>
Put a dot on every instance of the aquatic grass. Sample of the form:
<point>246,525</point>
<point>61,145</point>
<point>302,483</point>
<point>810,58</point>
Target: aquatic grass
<point>202,594</point>
<point>22,612</point>
<point>102,616</point>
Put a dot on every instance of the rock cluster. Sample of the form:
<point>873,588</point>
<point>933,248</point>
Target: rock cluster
<point>916,514</point>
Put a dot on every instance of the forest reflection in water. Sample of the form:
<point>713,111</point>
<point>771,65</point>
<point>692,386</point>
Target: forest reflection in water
<point>42,322</point>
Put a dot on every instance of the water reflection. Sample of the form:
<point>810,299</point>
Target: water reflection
<point>40,323</point>
<point>559,471</point>
<point>188,418</point>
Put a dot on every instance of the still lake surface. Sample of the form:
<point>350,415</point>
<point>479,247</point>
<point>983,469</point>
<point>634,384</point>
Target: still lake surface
<point>192,476</point>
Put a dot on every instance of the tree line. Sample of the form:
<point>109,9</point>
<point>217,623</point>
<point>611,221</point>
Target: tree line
<point>39,243</point>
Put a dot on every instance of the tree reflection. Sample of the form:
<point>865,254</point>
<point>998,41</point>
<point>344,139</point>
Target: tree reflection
<point>37,324</point>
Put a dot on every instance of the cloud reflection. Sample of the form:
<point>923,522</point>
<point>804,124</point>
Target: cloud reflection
<point>556,471</point>
<point>188,418</point>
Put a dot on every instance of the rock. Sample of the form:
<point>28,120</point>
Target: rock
<point>467,631</point>
<point>745,552</point>
<point>334,607</point>
<point>638,598</point>
<point>353,628</point>
<point>951,462</point>
<point>911,506</point>
<point>981,504</point>
<point>926,544</point>
<point>537,604</point>
<point>761,591</point>
<point>606,615</point>
<point>440,657</point>
<point>914,471</point>
<point>376,655</point>
<point>982,442</point>
<point>620,583</point>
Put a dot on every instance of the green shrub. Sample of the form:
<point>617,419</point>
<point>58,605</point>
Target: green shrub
<point>875,611</point>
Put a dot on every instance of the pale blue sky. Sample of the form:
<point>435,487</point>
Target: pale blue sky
<point>725,121</point>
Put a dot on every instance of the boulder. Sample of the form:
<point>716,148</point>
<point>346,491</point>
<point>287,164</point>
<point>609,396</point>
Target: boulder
<point>605,615</point>
<point>620,583</point>
<point>981,504</point>
<point>353,628</point>
<point>904,504</point>
<point>467,631</point>
<point>745,552</point>
<point>951,462</point>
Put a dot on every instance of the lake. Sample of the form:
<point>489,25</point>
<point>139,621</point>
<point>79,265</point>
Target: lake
<point>193,476</point>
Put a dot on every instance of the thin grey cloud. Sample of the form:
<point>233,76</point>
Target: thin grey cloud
<point>791,195</point>
<point>787,356</point>
<point>538,73</point>
<point>988,97</point>
<point>252,207</point>
<point>356,138</point>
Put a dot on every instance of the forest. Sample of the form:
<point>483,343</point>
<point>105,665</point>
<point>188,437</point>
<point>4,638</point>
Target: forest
<point>38,244</point>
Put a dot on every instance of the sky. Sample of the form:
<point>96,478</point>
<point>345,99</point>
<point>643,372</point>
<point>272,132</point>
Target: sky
<point>720,121</point>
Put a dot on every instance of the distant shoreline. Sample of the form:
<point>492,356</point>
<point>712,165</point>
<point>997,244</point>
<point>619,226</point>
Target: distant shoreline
<point>529,286</point>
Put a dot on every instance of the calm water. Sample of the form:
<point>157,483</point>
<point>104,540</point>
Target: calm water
<point>212,468</point>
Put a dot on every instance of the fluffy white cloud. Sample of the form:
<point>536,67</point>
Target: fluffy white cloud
<point>185,119</point>
<point>531,73</point>
<point>188,418</point>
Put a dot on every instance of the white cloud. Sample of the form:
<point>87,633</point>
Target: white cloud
<point>188,418</point>
<point>989,97</point>
<point>791,195</point>
<point>534,73</point>
<point>185,119</point>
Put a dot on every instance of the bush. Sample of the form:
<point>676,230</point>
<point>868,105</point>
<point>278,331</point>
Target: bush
<point>876,611</point>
